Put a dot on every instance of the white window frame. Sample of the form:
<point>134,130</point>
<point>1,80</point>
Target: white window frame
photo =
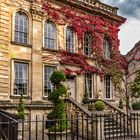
<point>88,44</point>
<point>106,49</point>
<point>55,68</point>
<point>13,76</point>
<point>54,38</point>
<point>19,31</point>
<point>92,84</point>
<point>71,50</point>
<point>105,88</point>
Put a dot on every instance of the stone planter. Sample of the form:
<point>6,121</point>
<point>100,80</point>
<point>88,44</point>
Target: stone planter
<point>20,123</point>
<point>58,135</point>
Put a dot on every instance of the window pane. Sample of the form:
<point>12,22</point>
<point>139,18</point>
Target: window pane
<point>20,78</point>
<point>69,40</point>
<point>106,49</point>
<point>21,28</point>
<point>49,35</point>
<point>47,83</point>
<point>88,84</point>
<point>87,44</point>
<point>107,86</point>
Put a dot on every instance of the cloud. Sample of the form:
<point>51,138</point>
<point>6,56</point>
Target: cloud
<point>127,8</point>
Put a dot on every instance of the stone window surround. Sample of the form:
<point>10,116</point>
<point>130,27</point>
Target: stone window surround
<point>88,45</point>
<point>29,28</point>
<point>74,41</point>
<point>46,65</point>
<point>55,36</point>
<point>106,48</point>
<point>28,95</point>
<point>111,89</point>
<point>92,86</point>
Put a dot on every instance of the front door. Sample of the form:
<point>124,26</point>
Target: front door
<point>71,87</point>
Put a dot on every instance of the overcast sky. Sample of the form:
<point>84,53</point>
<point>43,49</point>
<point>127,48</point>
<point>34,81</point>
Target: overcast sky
<point>130,31</point>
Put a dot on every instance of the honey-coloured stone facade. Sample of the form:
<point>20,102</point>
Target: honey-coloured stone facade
<point>33,52</point>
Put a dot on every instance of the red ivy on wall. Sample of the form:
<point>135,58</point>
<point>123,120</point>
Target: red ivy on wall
<point>100,28</point>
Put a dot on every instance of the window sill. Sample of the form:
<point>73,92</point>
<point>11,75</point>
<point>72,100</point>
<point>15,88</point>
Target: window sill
<point>21,44</point>
<point>109,100</point>
<point>50,50</point>
<point>18,96</point>
<point>45,98</point>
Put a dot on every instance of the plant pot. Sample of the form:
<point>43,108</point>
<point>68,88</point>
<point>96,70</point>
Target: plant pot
<point>20,123</point>
<point>58,135</point>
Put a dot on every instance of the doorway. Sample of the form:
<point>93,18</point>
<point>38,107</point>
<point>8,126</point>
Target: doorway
<point>71,84</point>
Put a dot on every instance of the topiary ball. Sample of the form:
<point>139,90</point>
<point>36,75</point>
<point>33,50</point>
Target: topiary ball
<point>57,77</point>
<point>136,105</point>
<point>99,105</point>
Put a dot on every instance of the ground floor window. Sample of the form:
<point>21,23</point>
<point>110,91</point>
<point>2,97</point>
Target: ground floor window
<point>48,70</point>
<point>89,84</point>
<point>107,86</point>
<point>21,79</point>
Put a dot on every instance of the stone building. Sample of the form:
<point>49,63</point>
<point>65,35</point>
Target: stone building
<point>133,58</point>
<point>38,37</point>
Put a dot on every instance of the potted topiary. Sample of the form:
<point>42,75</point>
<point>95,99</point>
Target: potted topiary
<point>20,108</point>
<point>58,112</point>
<point>99,105</point>
<point>85,99</point>
<point>20,113</point>
<point>136,105</point>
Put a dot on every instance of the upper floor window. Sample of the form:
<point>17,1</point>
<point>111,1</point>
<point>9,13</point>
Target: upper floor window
<point>70,43</point>
<point>21,28</point>
<point>89,84</point>
<point>88,44</point>
<point>21,79</point>
<point>107,87</point>
<point>49,35</point>
<point>48,70</point>
<point>106,49</point>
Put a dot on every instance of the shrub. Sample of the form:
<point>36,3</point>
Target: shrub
<point>136,105</point>
<point>58,111</point>
<point>20,108</point>
<point>135,86</point>
<point>85,99</point>
<point>57,77</point>
<point>99,105</point>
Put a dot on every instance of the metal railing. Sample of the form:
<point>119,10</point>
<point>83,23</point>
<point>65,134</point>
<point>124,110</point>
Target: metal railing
<point>8,126</point>
<point>101,126</point>
<point>108,106</point>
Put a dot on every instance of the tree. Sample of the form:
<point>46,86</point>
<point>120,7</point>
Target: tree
<point>135,86</point>
<point>58,111</point>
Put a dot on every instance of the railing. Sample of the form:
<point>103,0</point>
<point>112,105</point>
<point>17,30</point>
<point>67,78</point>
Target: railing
<point>109,107</point>
<point>101,126</point>
<point>8,126</point>
<point>98,5</point>
<point>74,107</point>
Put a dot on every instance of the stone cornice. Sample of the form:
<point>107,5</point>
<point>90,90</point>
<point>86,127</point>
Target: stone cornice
<point>93,7</point>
